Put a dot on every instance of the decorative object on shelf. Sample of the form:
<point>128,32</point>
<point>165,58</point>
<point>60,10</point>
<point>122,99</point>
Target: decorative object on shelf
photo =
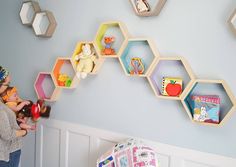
<point>28,12</point>
<point>201,88</point>
<point>171,86</point>
<point>90,64</point>
<point>147,7</point>
<point>64,75</point>
<point>232,22</point>
<point>131,153</point>
<point>136,66</point>
<point>44,24</point>
<point>177,67</point>
<point>108,50</point>
<point>86,61</point>
<point>64,80</point>
<point>205,108</point>
<point>106,34</point>
<point>142,6</point>
<point>45,87</point>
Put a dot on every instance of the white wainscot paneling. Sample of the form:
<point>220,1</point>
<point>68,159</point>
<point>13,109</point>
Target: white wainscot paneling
<point>63,144</point>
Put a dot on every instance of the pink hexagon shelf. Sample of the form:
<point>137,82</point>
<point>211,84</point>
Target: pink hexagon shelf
<point>45,87</point>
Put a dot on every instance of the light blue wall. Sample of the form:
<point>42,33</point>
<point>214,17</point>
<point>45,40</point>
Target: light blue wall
<point>194,29</point>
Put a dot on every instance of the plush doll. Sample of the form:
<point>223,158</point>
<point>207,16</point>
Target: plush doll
<point>108,50</point>
<point>86,61</point>
<point>142,6</point>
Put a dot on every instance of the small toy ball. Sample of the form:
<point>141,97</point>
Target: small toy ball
<point>132,153</point>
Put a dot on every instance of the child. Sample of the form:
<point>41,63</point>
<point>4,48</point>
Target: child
<point>12,100</point>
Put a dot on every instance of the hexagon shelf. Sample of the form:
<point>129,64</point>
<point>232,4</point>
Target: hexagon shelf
<point>98,62</point>
<point>138,55</point>
<point>64,74</point>
<point>28,12</point>
<point>45,87</point>
<point>44,24</point>
<point>232,22</point>
<point>212,88</point>
<point>105,44</point>
<point>170,67</point>
<point>147,7</point>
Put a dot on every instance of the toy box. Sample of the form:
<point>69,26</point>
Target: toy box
<point>171,86</point>
<point>205,108</point>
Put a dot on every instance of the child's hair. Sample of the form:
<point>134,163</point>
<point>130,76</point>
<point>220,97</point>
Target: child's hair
<point>7,93</point>
<point>3,74</point>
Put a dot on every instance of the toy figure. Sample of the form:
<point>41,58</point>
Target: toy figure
<point>64,80</point>
<point>86,61</point>
<point>108,50</point>
<point>23,108</point>
<point>142,6</point>
<point>137,66</point>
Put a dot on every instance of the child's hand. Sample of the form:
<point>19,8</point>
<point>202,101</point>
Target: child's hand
<point>26,102</point>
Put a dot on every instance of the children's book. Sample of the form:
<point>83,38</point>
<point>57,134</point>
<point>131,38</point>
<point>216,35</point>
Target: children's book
<point>205,108</point>
<point>171,86</point>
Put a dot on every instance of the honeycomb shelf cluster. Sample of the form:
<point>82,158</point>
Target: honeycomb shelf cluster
<point>48,87</point>
<point>42,22</point>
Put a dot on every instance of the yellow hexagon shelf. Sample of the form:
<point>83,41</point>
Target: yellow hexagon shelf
<point>64,74</point>
<point>147,7</point>
<point>28,12</point>
<point>220,95</point>
<point>78,50</point>
<point>232,22</point>
<point>138,55</point>
<point>110,38</point>
<point>168,69</point>
<point>44,24</point>
<point>45,87</point>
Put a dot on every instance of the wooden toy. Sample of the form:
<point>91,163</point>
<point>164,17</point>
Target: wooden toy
<point>136,66</point>
<point>142,6</point>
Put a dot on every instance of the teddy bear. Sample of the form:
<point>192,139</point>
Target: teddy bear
<point>86,61</point>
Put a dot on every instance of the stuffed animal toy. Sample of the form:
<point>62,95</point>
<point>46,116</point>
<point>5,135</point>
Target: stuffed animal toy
<point>108,50</point>
<point>86,61</point>
<point>142,6</point>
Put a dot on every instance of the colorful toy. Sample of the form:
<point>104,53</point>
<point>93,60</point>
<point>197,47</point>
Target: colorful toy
<point>132,153</point>
<point>108,50</point>
<point>86,61</point>
<point>136,66</point>
<point>171,86</point>
<point>205,108</point>
<point>64,80</point>
<point>142,6</point>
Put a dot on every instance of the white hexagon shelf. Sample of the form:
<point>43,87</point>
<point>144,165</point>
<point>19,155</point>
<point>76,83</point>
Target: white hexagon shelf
<point>110,39</point>
<point>170,67</point>
<point>28,12</point>
<point>45,87</point>
<point>147,7</point>
<point>210,88</point>
<point>138,55</point>
<point>44,24</point>
<point>232,22</point>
